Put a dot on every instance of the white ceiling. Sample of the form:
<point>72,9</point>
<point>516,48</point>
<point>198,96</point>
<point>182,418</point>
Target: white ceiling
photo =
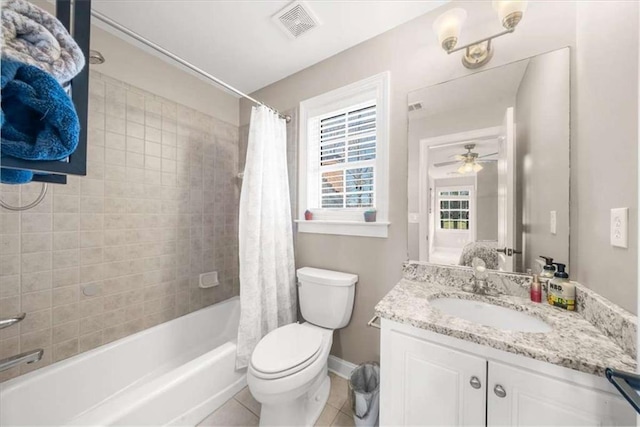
<point>492,85</point>
<point>238,42</point>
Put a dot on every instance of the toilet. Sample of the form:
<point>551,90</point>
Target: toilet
<point>288,372</point>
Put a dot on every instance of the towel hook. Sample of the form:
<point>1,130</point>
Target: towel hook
<point>43,192</point>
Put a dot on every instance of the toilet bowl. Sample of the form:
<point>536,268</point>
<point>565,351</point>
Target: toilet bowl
<point>291,395</point>
<point>288,371</point>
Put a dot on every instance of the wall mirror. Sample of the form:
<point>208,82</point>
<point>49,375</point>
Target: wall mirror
<point>489,166</point>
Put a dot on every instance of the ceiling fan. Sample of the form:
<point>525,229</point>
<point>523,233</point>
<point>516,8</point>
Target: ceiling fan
<point>470,160</point>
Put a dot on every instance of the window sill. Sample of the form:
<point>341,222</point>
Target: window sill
<point>345,228</point>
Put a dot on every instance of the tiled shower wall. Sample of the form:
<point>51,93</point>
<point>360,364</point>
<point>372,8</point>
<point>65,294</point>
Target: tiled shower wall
<point>121,249</point>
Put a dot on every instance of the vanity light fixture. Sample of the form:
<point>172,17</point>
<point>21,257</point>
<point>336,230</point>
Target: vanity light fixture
<point>448,26</point>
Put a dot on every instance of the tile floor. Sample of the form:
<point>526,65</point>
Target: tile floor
<point>244,411</point>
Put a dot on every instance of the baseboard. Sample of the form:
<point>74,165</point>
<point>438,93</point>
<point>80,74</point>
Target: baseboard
<point>340,367</point>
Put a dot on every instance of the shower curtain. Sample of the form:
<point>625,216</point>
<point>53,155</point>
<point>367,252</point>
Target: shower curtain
<point>267,276</point>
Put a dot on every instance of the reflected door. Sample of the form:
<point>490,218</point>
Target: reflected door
<point>506,192</point>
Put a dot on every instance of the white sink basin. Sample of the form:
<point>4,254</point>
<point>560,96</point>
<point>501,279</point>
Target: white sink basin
<point>490,315</point>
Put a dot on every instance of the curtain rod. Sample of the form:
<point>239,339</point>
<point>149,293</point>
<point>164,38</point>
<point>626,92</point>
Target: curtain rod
<point>101,17</point>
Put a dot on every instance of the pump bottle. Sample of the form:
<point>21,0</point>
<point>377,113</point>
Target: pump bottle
<point>546,275</point>
<point>562,293</point>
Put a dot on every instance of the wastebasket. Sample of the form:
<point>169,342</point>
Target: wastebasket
<point>364,387</point>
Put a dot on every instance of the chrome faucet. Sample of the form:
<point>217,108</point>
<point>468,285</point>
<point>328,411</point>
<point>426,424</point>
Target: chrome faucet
<point>5,323</point>
<point>478,284</point>
<point>26,357</point>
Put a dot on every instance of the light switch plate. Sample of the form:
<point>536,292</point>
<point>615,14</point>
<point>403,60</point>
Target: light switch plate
<point>620,227</point>
<point>553,222</point>
<point>414,218</point>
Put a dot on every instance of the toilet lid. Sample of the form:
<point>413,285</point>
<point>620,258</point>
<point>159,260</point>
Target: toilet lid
<point>285,348</point>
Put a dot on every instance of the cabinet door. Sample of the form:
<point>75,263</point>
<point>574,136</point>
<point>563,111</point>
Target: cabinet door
<point>428,384</point>
<point>533,399</point>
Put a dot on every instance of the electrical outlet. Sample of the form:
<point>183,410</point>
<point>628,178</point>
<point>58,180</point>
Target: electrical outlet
<point>553,222</point>
<point>619,227</point>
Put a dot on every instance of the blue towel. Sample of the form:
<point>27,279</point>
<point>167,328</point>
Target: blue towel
<point>39,121</point>
<point>15,176</point>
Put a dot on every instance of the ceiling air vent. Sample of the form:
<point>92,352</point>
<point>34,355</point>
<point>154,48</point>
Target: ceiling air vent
<point>296,19</point>
<point>415,106</point>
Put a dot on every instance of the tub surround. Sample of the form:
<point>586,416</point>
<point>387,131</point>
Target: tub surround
<point>597,336</point>
<point>158,207</point>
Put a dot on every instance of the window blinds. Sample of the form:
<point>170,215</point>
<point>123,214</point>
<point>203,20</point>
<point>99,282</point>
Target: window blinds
<point>347,143</point>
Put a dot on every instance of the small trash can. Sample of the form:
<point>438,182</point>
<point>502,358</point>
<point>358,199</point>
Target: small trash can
<point>364,388</point>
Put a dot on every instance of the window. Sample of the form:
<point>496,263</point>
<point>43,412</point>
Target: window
<point>454,210</point>
<point>347,158</point>
<point>343,160</point>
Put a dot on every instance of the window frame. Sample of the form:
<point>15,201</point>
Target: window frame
<point>472,213</point>
<point>344,221</point>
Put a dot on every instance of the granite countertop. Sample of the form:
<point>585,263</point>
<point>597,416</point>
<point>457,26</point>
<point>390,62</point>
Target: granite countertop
<point>572,343</point>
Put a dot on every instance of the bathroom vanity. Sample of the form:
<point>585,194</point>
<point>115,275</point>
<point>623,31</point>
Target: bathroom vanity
<point>488,180</point>
<point>498,360</point>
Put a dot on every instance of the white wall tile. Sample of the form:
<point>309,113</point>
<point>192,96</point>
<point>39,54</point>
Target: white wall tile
<point>36,242</point>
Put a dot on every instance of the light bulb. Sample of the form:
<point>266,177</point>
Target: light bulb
<point>466,168</point>
<point>447,27</point>
<point>477,167</point>
<point>510,12</point>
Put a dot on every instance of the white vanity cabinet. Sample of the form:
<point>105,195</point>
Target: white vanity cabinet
<point>425,376</point>
<point>431,379</point>
<point>528,398</point>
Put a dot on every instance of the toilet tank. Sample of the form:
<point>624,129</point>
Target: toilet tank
<point>326,297</point>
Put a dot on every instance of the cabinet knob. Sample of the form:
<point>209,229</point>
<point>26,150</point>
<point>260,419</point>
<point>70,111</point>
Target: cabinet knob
<point>499,391</point>
<point>475,382</point>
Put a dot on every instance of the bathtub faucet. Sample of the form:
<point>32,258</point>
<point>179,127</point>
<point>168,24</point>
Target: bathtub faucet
<point>10,321</point>
<point>26,357</point>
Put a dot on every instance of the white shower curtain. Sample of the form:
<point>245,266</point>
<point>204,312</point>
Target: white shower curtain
<point>267,276</point>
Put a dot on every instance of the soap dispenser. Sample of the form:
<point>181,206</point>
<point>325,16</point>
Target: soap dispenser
<point>562,293</point>
<point>536,289</point>
<point>548,270</point>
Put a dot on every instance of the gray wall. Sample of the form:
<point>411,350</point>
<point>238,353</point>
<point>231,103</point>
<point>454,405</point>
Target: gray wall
<point>415,61</point>
<point>487,203</point>
<point>542,150</point>
<point>604,150</point>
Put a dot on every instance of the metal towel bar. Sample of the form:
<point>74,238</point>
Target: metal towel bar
<point>627,384</point>
<point>372,324</point>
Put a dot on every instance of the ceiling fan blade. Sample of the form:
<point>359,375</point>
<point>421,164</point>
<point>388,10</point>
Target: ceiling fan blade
<point>437,165</point>
<point>487,161</point>
<point>488,155</point>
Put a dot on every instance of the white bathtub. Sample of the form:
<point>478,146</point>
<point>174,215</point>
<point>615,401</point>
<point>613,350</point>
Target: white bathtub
<point>175,373</point>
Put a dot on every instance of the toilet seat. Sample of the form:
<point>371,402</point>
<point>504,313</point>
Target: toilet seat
<point>285,351</point>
